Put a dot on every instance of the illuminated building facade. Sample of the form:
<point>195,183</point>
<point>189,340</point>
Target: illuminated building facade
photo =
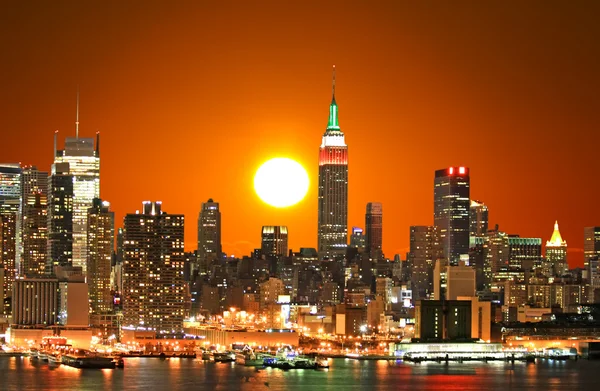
<point>425,249</point>
<point>374,230</point>
<point>274,241</point>
<point>478,218</point>
<point>524,253</point>
<point>101,233</point>
<point>153,262</point>
<point>591,253</point>
<point>10,199</point>
<point>209,233</point>
<point>33,234</point>
<point>451,211</point>
<point>333,188</point>
<point>60,217</point>
<point>556,255</point>
<point>84,166</point>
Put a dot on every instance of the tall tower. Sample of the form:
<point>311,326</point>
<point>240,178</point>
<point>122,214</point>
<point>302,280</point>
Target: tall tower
<point>101,243</point>
<point>33,235</point>
<point>153,259</point>
<point>60,217</point>
<point>374,230</point>
<point>591,253</point>
<point>274,241</point>
<point>84,166</point>
<point>451,204</point>
<point>425,250</point>
<point>556,254</point>
<point>333,187</point>
<point>10,196</point>
<point>209,233</point>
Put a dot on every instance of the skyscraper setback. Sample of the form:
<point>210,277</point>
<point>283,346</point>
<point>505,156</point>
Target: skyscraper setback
<point>451,208</point>
<point>333,187</point>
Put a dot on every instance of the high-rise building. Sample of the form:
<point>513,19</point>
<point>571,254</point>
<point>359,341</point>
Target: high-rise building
<point>333,187</point>
<point>374,230</point>
<point>101,244</point>
<point>33,222</point>
<point>524,253</point>
<point>478,218</point>
<point>10,199</point>
<point>35,301</point>
<point>34,235</point>
<point>357,239</point>
<point>83,160</point>
<point>556,254</point>
<point>153,263</point>
<point>451,208</point>
<point>425,249</point>
<point>60,217</point>
<point>274,241</point>
<point>591,246</point>
<point>209,233</point>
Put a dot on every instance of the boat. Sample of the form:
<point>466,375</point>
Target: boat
<point>249,358</point>
<point>54,358</point>
<point>223,357</point>
<point>87,359</point>
<point>43,356</point>
<point>33,353</point>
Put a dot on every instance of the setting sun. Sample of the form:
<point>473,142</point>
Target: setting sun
<point>281,182</point>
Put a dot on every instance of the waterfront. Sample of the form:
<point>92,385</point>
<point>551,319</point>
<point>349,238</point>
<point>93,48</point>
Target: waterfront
<point>20,373</point>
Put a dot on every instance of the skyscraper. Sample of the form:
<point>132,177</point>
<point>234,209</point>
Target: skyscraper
<point>425,250</point>
<point>333,187</point>
<point>591,245</point>
<point>153,264</point>
<point>33,222</point>
<point>556,254</point>
<point>451,208</point>
<point>10,196</point>
<point>101,243</point>
<point>374,230</point>
<point>478,218</point>
<point>60,217</point>
<point>209,233</point>
<point>84,166</point>
<point>274,241</point>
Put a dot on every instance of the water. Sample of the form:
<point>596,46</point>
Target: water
<point>20,373</point>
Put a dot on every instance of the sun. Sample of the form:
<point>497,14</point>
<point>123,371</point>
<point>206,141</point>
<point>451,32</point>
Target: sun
<point>281,182</point>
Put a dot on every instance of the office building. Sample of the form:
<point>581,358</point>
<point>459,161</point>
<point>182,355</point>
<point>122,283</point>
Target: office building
<point>83,162</point>
<point>555,263</point>
<point>460,281</point>
<point>438,320</point>
<point>35,301</point>
<point>374,230</point>
<point>34,235</point>
<point>591,250</point>
<point>451,209</point>
<point>153,261</point>
<point>274,241</point>
<point>60,217</point>
<point>425,249</point>
<point>478,218</point>
<point>10,199</point>
<point>209,234</point>
<point>357,239</point>
<point>101,244</point>
<point>333,188</point>
<point>524,253</point>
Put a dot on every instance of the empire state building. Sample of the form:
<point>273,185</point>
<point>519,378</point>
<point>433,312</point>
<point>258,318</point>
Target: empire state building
<point>333,187</point>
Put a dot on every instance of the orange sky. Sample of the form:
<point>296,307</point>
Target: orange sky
<point>192,97</point>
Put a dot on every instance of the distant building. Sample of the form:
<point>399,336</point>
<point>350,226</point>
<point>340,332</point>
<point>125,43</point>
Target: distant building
<point>274,241</point>
<point>591,251</point>
<point>10,199</point>
<point>101,244</point>
<point>35,301</point>
<point>438,320</point>
<point>460,281</point>
<point>153,262</point>
<point>425,249</point>
<point>270,291</point>
<point>209,234</point>
<point>451,211</point>
<point>524,253</point>
<point>374,230</point>
<point>32,246</point>
<point>333,188</point>
<point>478,218</point>
<point>556,255</point>
<point>357,239</point>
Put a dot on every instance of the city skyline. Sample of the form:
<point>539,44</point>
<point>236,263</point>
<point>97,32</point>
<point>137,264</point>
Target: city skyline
<point>383,98</point>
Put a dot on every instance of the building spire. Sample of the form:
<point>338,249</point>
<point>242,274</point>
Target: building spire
<point>77,116</point>
<point>333,109</point>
